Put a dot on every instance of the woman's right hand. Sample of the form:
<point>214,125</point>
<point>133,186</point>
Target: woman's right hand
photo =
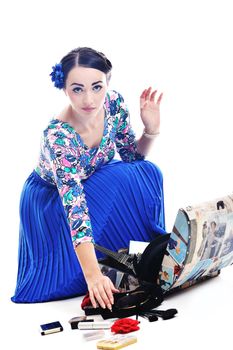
<point>101,290</point>
<point>100,287</point>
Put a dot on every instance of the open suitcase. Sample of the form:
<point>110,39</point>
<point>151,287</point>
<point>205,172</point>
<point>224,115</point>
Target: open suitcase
<point>200,245</point>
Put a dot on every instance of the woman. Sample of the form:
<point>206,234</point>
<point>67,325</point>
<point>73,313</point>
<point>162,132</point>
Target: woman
<point>79,194</point>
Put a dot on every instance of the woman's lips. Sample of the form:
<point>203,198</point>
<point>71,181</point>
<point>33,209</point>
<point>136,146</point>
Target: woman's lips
<point>88,109</point>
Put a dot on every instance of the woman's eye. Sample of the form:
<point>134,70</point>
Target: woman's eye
<point>77,90</point>
<point>97,87</point>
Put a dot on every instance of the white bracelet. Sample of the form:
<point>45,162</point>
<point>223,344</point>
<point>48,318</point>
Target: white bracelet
<point>150,136</point>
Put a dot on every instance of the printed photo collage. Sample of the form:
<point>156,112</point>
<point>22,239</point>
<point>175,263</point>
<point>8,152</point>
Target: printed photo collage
<point>201,244</point>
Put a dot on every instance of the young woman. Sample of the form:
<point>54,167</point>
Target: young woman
<point>79,194</point>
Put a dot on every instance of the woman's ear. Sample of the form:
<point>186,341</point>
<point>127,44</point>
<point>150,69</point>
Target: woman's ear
<point>108,77</point>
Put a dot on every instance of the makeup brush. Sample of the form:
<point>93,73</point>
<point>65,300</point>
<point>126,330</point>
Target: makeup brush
<point>149,317</point>
<point>164,314</point>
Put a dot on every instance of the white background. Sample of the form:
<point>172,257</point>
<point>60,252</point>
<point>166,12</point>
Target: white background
<point>183,48</point>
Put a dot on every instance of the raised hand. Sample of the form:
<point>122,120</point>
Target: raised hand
<point>150,110</point>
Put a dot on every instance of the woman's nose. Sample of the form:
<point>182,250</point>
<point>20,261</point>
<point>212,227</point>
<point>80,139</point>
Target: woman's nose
<point>87,99</point>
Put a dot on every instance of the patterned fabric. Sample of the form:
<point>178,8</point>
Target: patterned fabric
<point>65,160</point>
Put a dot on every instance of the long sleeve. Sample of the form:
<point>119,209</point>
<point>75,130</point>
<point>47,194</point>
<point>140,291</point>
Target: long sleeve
<point>125,137</point>
<point>62,151</point>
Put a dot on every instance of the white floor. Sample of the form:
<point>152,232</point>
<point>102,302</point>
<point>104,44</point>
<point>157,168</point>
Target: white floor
<point>204,321</point>
<point>183,48</point>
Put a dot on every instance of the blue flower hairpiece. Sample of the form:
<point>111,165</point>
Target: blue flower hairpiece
<point>57,76</point>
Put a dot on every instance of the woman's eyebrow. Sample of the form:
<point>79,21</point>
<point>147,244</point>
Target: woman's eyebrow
<point>77,84</point>
<point>96,82</point>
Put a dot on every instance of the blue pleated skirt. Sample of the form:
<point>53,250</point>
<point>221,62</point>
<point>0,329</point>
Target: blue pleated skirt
<point>125,202</point>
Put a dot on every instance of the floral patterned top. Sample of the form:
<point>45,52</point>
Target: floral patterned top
<point>65,160</point>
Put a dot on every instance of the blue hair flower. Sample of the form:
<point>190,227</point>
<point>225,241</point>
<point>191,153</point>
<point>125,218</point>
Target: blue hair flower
<point>57,76</point>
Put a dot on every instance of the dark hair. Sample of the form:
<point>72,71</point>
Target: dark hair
<point>220,205</point>
<point>86,57</point>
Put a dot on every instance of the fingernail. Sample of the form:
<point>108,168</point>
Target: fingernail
<point>110,307</point>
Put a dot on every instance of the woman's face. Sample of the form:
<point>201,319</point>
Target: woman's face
<point>86,89</point>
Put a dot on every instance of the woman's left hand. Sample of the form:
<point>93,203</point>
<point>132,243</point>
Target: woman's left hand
<point>150,110</point>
